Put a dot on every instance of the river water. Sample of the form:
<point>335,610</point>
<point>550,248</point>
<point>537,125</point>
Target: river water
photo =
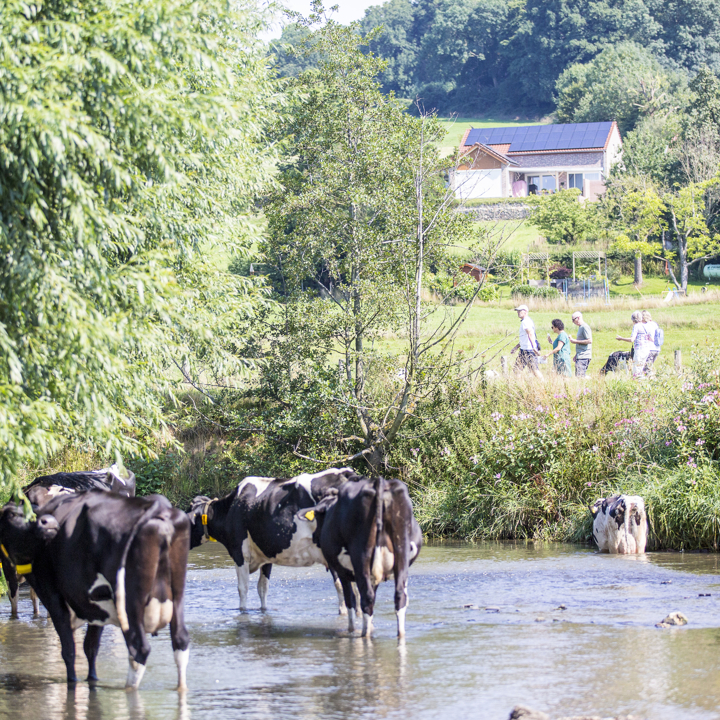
<point>513,644</point>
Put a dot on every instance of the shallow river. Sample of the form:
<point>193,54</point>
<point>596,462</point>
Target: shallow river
<point>600,655</point>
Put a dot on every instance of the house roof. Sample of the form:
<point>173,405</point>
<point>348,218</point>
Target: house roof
<point>494,152</point>
<point>539,138</point>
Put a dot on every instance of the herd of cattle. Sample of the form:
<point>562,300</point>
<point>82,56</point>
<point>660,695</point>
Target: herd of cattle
<point>94,553</point>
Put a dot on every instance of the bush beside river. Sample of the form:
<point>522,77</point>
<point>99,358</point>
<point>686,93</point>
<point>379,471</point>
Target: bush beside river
<point>519,459</point>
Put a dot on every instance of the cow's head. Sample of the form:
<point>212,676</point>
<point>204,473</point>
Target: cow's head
<point>198,511</point>
<point>22,537</point>
<point>317,513</point>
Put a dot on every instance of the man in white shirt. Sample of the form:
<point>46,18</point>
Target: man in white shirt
<point>528,345</point>
<point>652,329</point>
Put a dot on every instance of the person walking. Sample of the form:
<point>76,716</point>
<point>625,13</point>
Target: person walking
<point>657,338</point>
<point>583,354</point>
<point>641,342</point>
<point>528,345</point>
<point>561,349</point>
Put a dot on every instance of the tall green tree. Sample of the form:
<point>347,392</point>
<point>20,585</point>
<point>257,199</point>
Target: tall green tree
<point>130,145</point>
<point>563,219</point>
<point>624,82</point>
<point>362,214</point>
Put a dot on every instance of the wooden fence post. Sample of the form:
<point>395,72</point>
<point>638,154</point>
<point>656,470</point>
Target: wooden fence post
<point>504,364</point>
<point>678,361</point>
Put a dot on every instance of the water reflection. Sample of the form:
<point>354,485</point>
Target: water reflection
<point>489,626</point>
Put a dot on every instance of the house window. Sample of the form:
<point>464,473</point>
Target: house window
<point>576,180</point>
<point>541,184</point>
<point>548,183</point>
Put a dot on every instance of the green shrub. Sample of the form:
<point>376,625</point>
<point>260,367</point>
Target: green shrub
<point>528,291</point>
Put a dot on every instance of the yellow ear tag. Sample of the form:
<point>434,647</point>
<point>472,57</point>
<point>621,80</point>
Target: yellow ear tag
<point>204,519</point>
<point>310,515</point>
<point>4,551</point>
<point>211,539</point>
<point>23,569</point>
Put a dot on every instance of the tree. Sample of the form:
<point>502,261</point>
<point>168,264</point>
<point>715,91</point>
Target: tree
<point>561,217</point>
<point>653,150</point>
<point>637,213</point>
<point>624,82</point>
<point>362,212</point>
<point>129,147</point>
<point>686,211</point>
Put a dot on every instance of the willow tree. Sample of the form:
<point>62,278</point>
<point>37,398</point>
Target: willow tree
<point>361,215</point>
<point>129,146</point>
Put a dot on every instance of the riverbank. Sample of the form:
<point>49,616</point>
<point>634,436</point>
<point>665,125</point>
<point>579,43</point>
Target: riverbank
<point>521,459</point>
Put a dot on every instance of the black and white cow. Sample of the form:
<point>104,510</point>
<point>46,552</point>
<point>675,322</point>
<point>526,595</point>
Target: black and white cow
<point>44,488</point>
<point>258,525</point>
<point>367,531</point>
<point>102,558</point>
<point>112,479</point>
<point>620,524</point>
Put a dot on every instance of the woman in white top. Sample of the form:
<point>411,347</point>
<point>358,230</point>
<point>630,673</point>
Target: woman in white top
<point>642,344</point>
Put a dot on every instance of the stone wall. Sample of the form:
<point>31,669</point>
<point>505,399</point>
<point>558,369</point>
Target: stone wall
<point>499,211</point>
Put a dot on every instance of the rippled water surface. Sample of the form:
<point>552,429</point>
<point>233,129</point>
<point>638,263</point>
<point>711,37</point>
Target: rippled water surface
<point>485,632</point>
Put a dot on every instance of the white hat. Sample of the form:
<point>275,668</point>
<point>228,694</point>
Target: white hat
<point>522,307</point>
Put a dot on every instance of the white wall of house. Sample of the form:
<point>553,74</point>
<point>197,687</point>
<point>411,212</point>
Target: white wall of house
<point>476,184</point>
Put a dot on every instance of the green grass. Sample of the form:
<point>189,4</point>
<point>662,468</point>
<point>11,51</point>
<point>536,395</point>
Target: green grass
<point>520,235</point>
<point>655,286</point>
<point>685,326</point>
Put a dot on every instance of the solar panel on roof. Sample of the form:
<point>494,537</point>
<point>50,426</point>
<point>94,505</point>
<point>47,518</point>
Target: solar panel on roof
<point>527,138</point>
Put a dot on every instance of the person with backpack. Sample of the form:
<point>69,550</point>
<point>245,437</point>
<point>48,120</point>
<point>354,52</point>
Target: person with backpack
<point>642,344</point>
<point>658,338</point>
<point>529,346</point>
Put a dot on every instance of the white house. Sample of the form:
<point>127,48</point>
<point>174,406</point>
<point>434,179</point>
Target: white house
<point>517,161</point>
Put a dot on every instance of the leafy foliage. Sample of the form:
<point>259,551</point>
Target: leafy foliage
<point>624,82</point>
<point>129,147</point>
<point>561,218</point>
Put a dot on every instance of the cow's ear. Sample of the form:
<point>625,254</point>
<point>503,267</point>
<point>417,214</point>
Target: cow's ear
<point>321,508</point>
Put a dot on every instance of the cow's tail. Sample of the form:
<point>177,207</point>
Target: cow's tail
<point>120,595</point>
<point>378,571</point>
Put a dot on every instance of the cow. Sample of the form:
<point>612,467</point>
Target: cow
<point>366,530</point>
<point>258,525</point>
<point>112,479</point>
<point>103,558</point>
<point>620,524</point>
<point>44,488</point>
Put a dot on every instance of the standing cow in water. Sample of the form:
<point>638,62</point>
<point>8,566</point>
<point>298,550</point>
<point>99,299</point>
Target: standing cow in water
<point>44,488</point>
<point>367,532</point>
<point>102,558</point>
<point>620,524</point>
<point>258,525</point>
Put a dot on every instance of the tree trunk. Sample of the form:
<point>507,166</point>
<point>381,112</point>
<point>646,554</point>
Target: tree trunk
<point>638,270</point>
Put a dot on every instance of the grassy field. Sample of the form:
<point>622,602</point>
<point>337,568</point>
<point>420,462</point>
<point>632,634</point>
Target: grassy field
<point>688,323</point>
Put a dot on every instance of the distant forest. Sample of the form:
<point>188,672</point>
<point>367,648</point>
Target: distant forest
<point>533,57</point>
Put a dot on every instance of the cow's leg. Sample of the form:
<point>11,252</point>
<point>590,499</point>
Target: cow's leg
<point>178,631</point>
<point>91,646</point>
<point>35,602</point>
<point>243,580</point>
<point>367,597</point>
<point>356,593</point>
<point>60,616</point>
<point>345,579</point>
<point>12,582</point>
<point>401,598</point>
<point>342,608</point>
<point>264,584</point>
<point>139,580</point>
